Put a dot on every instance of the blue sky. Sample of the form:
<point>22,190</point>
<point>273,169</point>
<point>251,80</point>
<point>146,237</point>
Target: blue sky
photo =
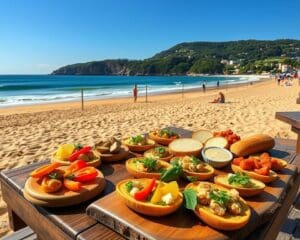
<point>38,36</point>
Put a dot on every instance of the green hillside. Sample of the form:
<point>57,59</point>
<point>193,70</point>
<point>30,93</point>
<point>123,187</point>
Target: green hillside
<point>245,56</point>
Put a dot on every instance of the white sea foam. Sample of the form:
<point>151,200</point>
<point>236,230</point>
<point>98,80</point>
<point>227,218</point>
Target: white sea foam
<point>125,91</point>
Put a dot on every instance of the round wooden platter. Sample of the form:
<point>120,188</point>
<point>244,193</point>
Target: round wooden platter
<point>94,163</point>
<point>114,157</point>
<point>34,193</point>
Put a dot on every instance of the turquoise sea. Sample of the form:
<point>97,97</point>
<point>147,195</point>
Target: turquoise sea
<point>32,89</point>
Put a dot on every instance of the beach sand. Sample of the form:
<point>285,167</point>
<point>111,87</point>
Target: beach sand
<point>32,133</point>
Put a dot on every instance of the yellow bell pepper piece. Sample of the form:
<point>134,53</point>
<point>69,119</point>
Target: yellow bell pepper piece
<point>163,189</point>
<point>64,151</point>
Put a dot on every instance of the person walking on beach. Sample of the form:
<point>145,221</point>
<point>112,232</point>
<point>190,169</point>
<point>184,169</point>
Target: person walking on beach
<point>135,92</point>
<point>204,87</point>
<point>218,84</point>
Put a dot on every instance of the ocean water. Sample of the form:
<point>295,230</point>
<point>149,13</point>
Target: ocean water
<point>34,89</point>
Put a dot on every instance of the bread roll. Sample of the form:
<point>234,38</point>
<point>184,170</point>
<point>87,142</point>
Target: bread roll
<point>217,142</point>
<point>202,135</point>
<point>252,144</point>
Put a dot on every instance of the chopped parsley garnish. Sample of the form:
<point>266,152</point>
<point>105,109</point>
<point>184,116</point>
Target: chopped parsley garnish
<point>167,133</point>
<point>195,161</point>
<point>150,164</point>
<point>78,146</point>
<point>137,139</point>
<point>160,150</point>
<point>239,179</point>
<point>55,175</point>
<point>221,197</point>
<point>162,203</point>
<point>192,178</point>
<point>71,176</point>
<point>129,186</point>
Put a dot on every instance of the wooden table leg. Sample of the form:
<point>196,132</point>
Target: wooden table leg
<point>298,145</point>
<point>297,131</point>
<point>281,215</point>
<point>15,222</point>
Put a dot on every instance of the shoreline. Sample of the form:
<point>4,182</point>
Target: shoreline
<point>64,105</point>
<point>95,92</point>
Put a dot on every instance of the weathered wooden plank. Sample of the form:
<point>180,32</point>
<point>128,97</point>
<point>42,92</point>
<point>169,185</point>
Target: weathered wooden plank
<point>99,231</point>
<point>72,219</point>
<point>292,118</point>
<point>22,234</point>
<point>40,224</point>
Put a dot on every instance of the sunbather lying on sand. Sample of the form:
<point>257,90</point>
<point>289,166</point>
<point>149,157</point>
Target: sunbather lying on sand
<point>220,99</point>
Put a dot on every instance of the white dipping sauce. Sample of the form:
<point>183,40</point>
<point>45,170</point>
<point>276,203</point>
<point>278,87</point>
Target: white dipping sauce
<point>217,154</point>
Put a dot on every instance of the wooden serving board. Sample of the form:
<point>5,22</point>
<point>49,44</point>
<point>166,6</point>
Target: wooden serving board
<point>33,192</point>
<point>183,224</point>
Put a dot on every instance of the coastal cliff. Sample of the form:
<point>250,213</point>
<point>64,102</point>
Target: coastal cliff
<point>244,56</point>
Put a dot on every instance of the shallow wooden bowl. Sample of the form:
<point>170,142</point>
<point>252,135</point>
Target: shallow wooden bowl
<point>243,191</point>
<point>161,140</point>
<point>148,154</point>
<point>281,166</point>
<point>139,148</point>
<point>200,176</point>
<point>33,192</point>
<point>265,179</point>
<point>93,163</point>
<point>113,157</point>
<point>130,167</point>
<point>146,208</point>
<point>227,222</point>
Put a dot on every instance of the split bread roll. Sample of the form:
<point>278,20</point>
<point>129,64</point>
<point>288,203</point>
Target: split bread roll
<point>185,146</point>
<point>217,142</point>
<point>202,135</point>
<point>252,144</point>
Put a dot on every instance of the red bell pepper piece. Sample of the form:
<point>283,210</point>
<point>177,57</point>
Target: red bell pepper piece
<point>83,150</point>
<point>145,192</point>
<point>75,166</point>
<point>85,174</point>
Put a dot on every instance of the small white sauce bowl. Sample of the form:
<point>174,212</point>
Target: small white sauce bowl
<point>214,163</point>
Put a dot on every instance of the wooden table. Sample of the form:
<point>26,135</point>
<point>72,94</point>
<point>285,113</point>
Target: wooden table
<point>292,118</point>
<point>73,223</point>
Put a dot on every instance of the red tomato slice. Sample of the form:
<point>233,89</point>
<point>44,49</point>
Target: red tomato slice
<point>85,174</point>
<point>76,165</point>
<point>263,171</point>
<point>257,163</point>
<point>237,161</point>
<point>247,164</point>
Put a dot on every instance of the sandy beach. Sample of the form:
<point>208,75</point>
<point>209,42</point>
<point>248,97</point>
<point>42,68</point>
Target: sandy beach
<point>32,133</point>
